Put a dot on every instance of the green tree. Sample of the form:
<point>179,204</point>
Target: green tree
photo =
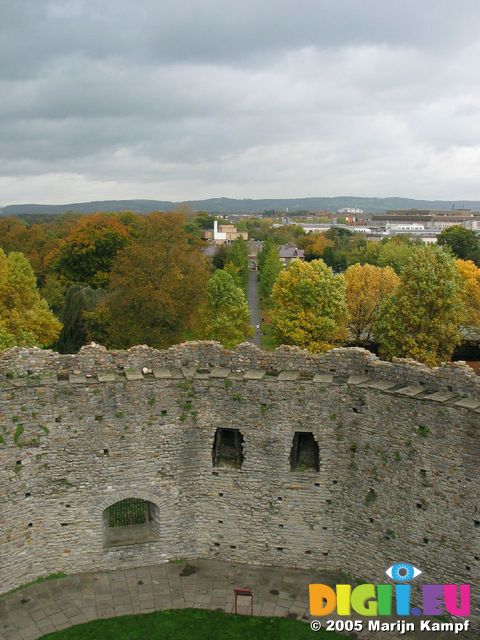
<point>422,319</point>
<point>220,258</point>
<point>396,252</point>
<point>237,253</point>
<point>464,243</point>
<point>309,307</point>
<point>227,311</point>
<point>78,300</point>
<point>269,271</point>
<point>267,244</point>
<point>25,318</point>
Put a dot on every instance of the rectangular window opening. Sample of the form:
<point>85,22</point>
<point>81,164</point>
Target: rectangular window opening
<point>228,448</point>
<point>304,454</point>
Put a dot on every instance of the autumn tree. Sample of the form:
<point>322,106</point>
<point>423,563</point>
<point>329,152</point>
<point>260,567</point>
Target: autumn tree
<point>309,307</point>
<point>86,256</point>
<point>314,244</point>
<point>157,286</point>
<point>422,319</point>
<point>228,316</point>
<point>470,274</point>
<point>25,319</point>
<point>367,286</point>
<point>463,242</point>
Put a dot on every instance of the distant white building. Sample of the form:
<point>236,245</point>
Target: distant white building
<point>404,226</point>
<point>349,210</point>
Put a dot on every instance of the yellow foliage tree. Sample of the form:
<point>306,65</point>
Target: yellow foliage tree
<point>315,244</point>
<point>25,318</point>
<point>308,306</point>
<point>367,286</point>
<point>471,293</point>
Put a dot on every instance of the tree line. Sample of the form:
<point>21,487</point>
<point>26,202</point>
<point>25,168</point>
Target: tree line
<point>419,306</point>
<point>118,279</point>
<point>124,279</point>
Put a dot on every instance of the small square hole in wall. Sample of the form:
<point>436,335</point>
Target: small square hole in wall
<point>233,546</point>
<point>30,524</point>
<point>163,412</point>
<point>214,473</point>
<point>221,495</point>
<point>425,541</point>
<point>68,506</point>
<point>324,528</point>
<point>18,463</point>
<point>419,505</point>
<point>280,498</point>
<point>216,544</point>
<point>308,552</point>
<point>328,501</point>
<point>477,558</point>
<point>279,548</point>
<point>220,522</point>
<point>317,484</point>
<point>325,553</point>
<point>64,524</point>
<point>371,520</point>
<point>106,452</point>
<point>476,523</point>
<point>467,567</point>
<point>28,495</point>
<point>280,526</point>
<point>335,481</point>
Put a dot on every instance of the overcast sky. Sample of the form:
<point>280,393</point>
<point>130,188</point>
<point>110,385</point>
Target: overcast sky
<point>183,99</point>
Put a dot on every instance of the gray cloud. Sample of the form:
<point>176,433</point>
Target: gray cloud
<point>185,99</point>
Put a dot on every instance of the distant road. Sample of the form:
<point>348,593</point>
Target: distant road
<point>254,304</point>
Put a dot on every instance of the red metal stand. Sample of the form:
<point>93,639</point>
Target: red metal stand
<point>244,592</point>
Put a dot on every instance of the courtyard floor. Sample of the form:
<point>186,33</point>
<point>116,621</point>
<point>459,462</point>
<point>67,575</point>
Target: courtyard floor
<point>33,611</point>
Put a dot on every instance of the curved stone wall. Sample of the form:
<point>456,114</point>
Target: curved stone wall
<point>398,443</point>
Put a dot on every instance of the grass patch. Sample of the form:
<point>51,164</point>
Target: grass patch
<point>52,576</point>
<point>191,624</point>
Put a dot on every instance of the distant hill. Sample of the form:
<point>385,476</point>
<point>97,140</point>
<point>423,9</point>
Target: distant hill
<point>232,205</point>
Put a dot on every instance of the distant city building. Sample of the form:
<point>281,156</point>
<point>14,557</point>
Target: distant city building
<point>224,233</point>
<point>325,226</point>
<point>429,218</point>
<point>289,252</point>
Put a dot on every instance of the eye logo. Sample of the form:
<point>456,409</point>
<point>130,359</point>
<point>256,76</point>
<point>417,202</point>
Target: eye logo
<point>402,572</point>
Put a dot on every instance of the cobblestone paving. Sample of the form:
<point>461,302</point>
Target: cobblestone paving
<point>31,612</point>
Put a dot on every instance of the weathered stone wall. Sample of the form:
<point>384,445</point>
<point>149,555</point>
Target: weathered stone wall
<point>399,460</point>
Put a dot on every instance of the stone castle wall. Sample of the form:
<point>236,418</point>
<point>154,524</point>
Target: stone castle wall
<point>398,443</point>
